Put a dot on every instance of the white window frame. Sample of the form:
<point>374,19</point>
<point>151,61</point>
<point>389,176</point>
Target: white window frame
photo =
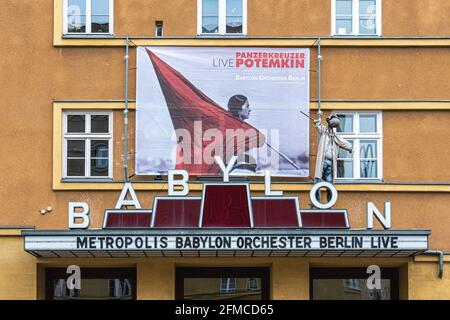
<point>222,19</point>
<point>88,20</point>
<point>87,136</point>
<point>355,20</point>
<point>356,136</point>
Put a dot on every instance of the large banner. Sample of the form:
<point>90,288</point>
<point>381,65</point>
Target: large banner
<point>194,104</point>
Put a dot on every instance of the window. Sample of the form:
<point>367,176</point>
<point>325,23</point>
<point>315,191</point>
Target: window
<point>87,144</point>
<point>363,131</point>
<point>158,29</point>
<point>88,17</point>
<point>222,17</point>
<point>351,284</point>
<point>356,17</point>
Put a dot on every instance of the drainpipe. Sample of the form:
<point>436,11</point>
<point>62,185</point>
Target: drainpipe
<point>319,61</point>
<point>441,260</point>
<point>125,114</point>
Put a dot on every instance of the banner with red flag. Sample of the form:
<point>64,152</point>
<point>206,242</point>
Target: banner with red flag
<point>197,103</point>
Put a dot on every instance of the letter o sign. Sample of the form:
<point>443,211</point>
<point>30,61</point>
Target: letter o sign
<point>316,202</point>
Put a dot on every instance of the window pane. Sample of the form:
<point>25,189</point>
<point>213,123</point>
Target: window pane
<point>234,25</point>
<point>345,168</point>
<point>99,167</point>
<point>76,123</point>
<point>76,16</point>
<point>367,26</point>
<point>159,28</point>
<point>344,7</point>
<point>210,25</point>
<point>76,7</point>
<point>346,123</point>
<point>99,158</point>
<point>75,148</point>
<point>368,123</point>
<point>100,7</point>
<point>210,7</point>
<point>368,149</point>
<point>234,8</point>
<point>367,6</point>
<point>100,124</point>
<point>343,25</point>
<point>75,167</point>
<point>210,16</point>
<point>76,24</point>
<point>100,24</point>
<point>99,148</point>
<point>369,169</point>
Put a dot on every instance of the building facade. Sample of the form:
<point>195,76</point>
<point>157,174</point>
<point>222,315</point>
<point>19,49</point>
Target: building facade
<point>69,87</point>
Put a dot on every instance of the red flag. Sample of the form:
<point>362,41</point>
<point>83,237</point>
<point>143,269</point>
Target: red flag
<point>187,104</point>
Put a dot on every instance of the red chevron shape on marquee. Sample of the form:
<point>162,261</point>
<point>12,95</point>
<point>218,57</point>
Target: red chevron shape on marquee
<point>227,206</point>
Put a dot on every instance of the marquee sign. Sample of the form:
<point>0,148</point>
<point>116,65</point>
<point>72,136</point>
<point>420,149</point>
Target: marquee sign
<point>219,242</point>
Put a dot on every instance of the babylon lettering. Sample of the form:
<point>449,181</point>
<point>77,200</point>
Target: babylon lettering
<point>203,242</point>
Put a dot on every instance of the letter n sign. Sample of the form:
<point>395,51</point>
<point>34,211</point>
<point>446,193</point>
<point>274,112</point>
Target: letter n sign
<point>385,219</point>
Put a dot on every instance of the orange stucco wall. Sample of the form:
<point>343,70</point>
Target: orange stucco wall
<point>34,73</point>
<point>38,73</point>
<point>18,271</point>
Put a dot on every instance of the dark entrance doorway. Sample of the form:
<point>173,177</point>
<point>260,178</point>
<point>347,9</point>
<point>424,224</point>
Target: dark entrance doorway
<point>222,283</point>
